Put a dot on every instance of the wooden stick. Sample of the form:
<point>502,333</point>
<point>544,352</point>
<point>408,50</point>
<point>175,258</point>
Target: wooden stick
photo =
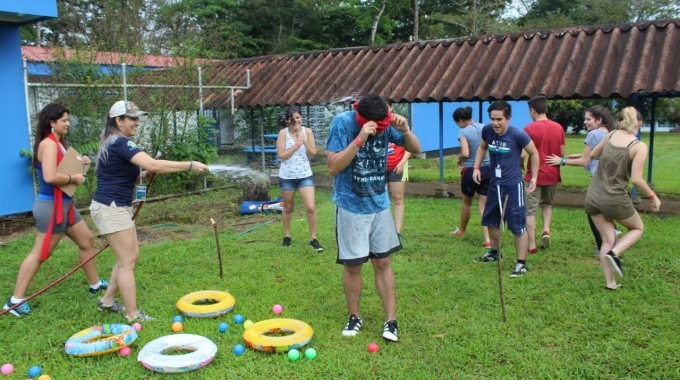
<point>500,255</point>
<point>217,242</point>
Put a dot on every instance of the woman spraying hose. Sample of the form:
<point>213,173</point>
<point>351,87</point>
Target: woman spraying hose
<point>118,169</point>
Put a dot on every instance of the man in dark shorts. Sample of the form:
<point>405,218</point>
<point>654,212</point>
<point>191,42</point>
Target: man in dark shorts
<point>505,199</point>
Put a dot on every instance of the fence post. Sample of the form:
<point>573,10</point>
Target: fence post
<point>124,72</point>
<point>200,90</point>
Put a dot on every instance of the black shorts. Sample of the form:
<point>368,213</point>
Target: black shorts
<point>468,186</point>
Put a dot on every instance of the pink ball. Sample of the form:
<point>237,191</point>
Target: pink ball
<point>277,309</point>
<point>125,351</point>
<point>137,326</point>
<point>373,347</point>
<point>7,369</point>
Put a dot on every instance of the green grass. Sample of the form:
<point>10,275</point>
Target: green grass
<point>561,322</point>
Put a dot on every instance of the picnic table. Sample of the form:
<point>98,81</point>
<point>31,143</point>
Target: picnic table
<point>254,152</point>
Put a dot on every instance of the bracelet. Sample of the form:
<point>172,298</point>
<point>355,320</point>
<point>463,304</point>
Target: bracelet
<point>564,161</point>
<point>407,133</point>
<point>69,179</point>
<point>358,142</point>
<point>651,196</point>
<point>191,164</point>
<point>476,168</point>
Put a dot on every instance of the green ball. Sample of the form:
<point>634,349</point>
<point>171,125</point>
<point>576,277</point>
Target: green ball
<point>310,353</point>
<point>293,355</point>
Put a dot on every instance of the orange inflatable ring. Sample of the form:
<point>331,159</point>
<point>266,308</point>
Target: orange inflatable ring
<point>256,335</point>
<point>197,304</point>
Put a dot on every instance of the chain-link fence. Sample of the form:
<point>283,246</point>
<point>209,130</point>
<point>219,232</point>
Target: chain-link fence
<point>178,125</point>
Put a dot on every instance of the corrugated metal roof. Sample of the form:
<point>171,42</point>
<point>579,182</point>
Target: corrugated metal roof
<point>582,62</point>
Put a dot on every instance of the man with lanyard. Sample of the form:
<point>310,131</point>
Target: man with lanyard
<point>505,200</point>
<point>357,158</point>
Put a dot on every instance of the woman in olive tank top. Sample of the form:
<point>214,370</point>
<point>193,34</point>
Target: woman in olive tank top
<point>622,157</point>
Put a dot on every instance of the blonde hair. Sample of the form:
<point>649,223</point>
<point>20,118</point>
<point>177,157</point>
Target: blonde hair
<point>628,119</point>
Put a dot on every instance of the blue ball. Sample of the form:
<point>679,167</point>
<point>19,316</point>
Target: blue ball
<point>224,326</point>
<point>239,349</point>
<point>238,319</point>
<point>177,318</point>
<point>34,371</point>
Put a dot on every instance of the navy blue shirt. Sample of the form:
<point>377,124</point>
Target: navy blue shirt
<point>504,152</point>
<point>116,175</point>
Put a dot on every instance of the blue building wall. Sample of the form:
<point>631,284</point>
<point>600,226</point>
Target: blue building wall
<point>16,188</point>
<point>426,121</point>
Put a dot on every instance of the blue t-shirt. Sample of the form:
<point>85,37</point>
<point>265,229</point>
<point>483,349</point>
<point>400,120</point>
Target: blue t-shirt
<point>592,139</point>
<point>473,134</point>
<point>505,151</point>
<point>116,175</point>
<point>361,186</point>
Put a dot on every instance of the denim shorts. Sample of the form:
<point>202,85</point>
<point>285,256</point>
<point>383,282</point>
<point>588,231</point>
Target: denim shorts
<point>295,183</point>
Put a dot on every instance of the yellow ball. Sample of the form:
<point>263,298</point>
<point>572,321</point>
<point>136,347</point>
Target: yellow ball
<point>177,327</point>
<point>247,323</point>
<point>45,377</point>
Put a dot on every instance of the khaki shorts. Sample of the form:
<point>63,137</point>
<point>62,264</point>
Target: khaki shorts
<point>542,196</point>
<point>110,219</point>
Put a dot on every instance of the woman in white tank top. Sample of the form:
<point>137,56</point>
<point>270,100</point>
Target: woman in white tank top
<point>294,146</point>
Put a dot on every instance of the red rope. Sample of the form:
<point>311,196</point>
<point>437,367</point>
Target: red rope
<point>60,279</point>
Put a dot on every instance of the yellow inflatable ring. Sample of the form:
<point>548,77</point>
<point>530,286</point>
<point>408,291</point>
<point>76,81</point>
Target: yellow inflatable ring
<point>100,339</point>
<point>153,356</point>
<point>256,335</point>
<point>196,304</point>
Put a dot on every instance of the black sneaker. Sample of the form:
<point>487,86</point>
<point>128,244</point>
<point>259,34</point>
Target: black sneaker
<point>353,326</point>
<point>520,270</point>
<point>19,311</point>
<point>103,285</point>
<point>316,245</point>
<point>615,263</point>
<point>390,331</point>
<point>490,256</point>
<point>286,242</point>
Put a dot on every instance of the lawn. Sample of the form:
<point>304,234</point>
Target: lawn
<point>561,321</point>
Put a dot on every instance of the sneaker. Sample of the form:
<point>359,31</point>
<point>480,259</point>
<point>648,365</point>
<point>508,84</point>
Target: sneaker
<point>615,263</point>
<point>315,244</point>
<point>115,307</point>
<point>286,242</point>
<point>520,270</point>
<point>489,256</point>
<point>140,317</point>
<point>353,326</point>
<point>18,311</point>
<point>457,232</point>
<point>545,240</point>
<point>103,285</point>
<point>390,331</point>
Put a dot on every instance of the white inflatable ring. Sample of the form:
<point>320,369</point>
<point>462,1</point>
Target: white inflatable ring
<point>100,339</point>
<point>256,335</point>
<point>152,355</point>
<point>187,304</point>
